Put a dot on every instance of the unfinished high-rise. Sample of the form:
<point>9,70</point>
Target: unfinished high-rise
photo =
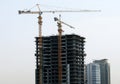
<point>72,58</point>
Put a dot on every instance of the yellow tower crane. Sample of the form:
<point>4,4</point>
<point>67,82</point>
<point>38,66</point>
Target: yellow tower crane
<point>39,12</point>
<point>59,24</point>
<point>39,59</point>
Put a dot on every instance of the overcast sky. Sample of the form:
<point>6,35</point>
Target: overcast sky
<point>17,32</point>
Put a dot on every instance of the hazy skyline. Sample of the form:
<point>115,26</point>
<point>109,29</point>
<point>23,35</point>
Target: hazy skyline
<point>17,46</point>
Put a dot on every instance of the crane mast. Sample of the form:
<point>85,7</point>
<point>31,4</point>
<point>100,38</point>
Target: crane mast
<point>40,48</point>
<point>59,53</point>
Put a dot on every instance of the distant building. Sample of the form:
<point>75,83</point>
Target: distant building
<point>72,59</point>
<point>85,74</point>
<point>93,73</point>
<point>104,70</point>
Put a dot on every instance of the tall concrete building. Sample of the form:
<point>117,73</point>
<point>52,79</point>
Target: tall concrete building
<point>93,73</point>
<point>72,59</point>
<point>104,70</point>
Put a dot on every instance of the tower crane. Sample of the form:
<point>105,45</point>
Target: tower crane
<point>39,12</point>
<point>39,59</point>
<point>59,24</point>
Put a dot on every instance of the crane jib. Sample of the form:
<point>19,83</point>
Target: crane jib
<point>55,11</point>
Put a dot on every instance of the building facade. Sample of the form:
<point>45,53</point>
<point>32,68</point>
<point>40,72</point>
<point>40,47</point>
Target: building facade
<point>72,59</point>
<point>93,73</point>
<point>104,70</point>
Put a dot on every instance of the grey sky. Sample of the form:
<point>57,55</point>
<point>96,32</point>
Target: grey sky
<point>17,32</point>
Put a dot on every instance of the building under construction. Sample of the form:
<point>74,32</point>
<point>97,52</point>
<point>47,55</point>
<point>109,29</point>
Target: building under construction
<point>72,59</point>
